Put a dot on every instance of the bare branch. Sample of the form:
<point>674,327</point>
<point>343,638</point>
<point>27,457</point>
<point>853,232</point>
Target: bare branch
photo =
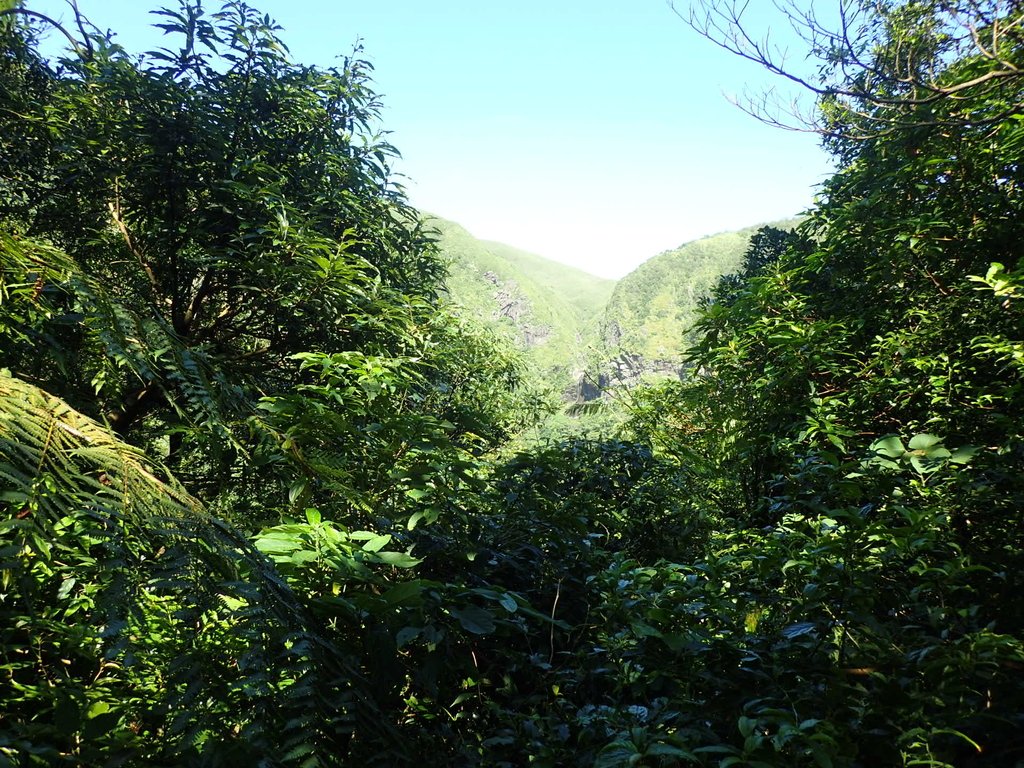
<point>80,23</point>
<point>114,206</point>
<point>206,288</point>
<point>879,69</point>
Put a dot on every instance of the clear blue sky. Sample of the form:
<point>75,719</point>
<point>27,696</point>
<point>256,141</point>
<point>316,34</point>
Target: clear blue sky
<point>594,132</point>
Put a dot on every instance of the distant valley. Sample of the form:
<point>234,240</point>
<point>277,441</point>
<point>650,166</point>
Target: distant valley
<point>550,310</point>
<point>586,334</point>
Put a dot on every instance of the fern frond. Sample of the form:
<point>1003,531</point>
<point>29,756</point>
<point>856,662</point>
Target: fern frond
<point>125,598</point>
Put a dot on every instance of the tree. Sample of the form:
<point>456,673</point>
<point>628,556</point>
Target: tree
<point>207,277</point>
<point>871,315</point>
<point>235,205</point>
<point>222,209</point>
<point>864,388</point>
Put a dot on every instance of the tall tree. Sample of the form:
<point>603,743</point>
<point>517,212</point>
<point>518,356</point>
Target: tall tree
<point>203,248</point>
<point>861,390</point>
<point>223,209</point>
<point>228,206</point>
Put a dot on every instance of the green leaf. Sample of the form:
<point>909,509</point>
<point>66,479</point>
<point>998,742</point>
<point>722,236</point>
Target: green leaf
<point>923,442</point>
<point>297,489</point>
<point>377,543</point>
<point>799,629</point>
<point>65,588</point>
<point>715,750</point>
<point>98,708</point>
<point>821,757</point>
<point>617,754</point>
<point>643,629</point>
<point>304,556</point>
<point>508,603</point>
<point>100,724</point>
<point>661,749</point>
<point>746,726</point>
<point>473,619</point>
<point>408,592</point>
<point>890,446</point>
<point>397,559</point>
<point>406,635</point>
<point>963,454</point>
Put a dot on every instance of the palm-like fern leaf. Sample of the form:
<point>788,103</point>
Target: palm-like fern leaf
<point>135,626</point>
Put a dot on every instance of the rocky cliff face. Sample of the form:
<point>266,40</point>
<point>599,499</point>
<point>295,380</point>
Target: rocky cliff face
<point>584,389</point>
<point>626,369</point>
<point>612,334</point>
<point>511,304</point>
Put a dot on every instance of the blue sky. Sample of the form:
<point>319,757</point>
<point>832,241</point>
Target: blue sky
<point>594,132</point>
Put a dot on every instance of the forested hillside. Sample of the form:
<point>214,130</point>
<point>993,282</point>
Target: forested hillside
<point>548,309</point>
<point>254,503</point>
<point>650,315</point>
<point>583,334</point>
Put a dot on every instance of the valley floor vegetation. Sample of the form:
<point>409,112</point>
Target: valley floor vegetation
<point>253,509</point>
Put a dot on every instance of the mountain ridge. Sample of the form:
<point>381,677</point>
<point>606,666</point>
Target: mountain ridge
<point>546,308</point>
<point>586,333</point>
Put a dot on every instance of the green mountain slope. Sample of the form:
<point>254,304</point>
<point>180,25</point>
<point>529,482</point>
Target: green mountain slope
<point>551,310</point>
<point>646,321</point>
<point>583,332</point>
<point>589,294</point>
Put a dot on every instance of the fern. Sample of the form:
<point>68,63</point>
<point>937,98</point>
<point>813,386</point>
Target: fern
<point>134,626</point>
<point>45,298</point>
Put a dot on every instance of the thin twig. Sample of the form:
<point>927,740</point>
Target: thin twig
<point>554,607</point>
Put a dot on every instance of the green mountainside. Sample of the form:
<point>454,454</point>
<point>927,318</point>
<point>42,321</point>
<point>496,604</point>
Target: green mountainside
<point>550,310</point>
<point>587,293</point>
<point>647,320</point>
<point>582,332</point>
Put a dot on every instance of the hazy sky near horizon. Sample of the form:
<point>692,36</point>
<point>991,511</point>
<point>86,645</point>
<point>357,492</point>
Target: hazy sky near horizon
<point>594,132</point>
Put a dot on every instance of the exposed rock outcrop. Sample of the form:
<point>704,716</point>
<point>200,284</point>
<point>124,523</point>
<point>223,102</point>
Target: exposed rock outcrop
<point>627,369</point>
<point>584,389</point>
<point>515,307</point>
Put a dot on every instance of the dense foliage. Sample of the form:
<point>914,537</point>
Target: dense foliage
<point>252,503</point>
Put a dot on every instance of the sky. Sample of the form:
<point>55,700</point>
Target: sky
<point>597,133</point>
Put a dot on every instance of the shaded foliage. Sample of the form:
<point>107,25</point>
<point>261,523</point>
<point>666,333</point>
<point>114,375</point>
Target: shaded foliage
<point>136,627</point>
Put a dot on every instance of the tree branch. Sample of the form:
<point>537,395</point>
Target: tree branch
<point>882,96</point>
<point>88,52</point>
<point>134,406</point>
<point>205,289</point>
<point>114,206</point>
